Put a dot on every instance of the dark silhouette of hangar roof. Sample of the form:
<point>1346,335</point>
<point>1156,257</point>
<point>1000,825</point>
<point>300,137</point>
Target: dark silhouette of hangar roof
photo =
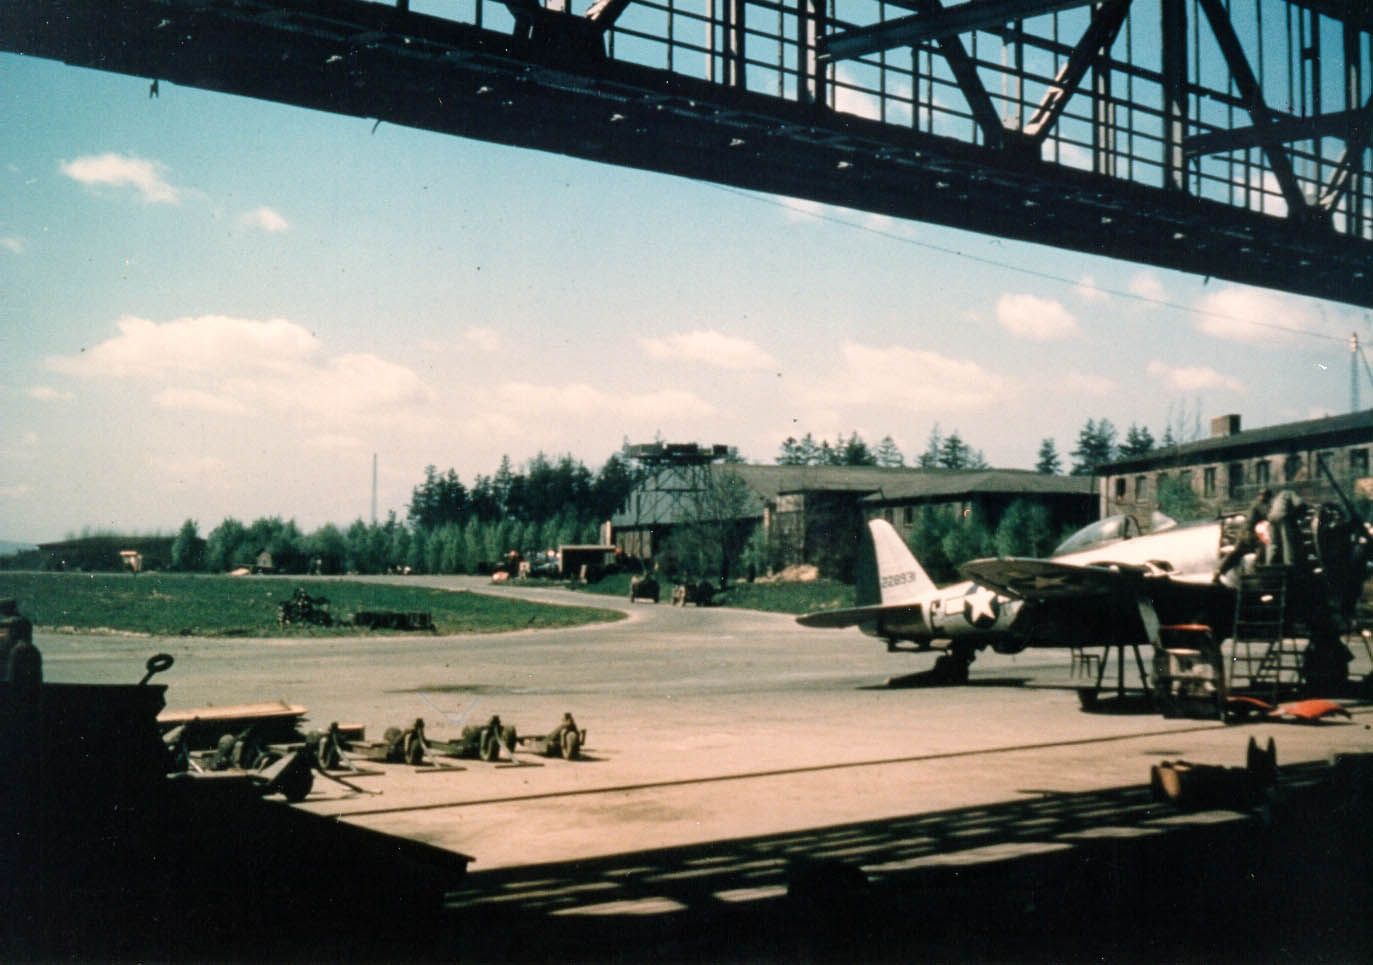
<point>1309,434</point>
<point>935,484</point>
<point>870,483</point>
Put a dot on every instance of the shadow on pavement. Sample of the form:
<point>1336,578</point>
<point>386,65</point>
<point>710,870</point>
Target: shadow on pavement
<point>1112,875</point>
<point>112,861</point>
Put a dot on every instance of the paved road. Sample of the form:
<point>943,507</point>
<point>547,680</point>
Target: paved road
<point>705,725</point>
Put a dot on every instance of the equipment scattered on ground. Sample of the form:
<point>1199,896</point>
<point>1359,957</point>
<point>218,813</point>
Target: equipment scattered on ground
<point>701,593</point>
<point>393,620</point>
<point>411,746</point>
<point>1204,786</point>
<point>644,588</point>
<point>304,608</point>
<point>1298,712</point>
<point>274,721</point>
<point>564,741</point>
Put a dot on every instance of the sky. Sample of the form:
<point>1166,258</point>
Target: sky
<point>213,307</point>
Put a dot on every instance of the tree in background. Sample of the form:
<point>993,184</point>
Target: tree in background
<point>223,550</point>
<point>188,549</point>
<point>967,538</point>
<point>1139,441</point>
<point>1096,446</point>
<point>929,459</point>
<point>888,455</point>
<point>1026,529</point>
<point>1048,461</point>
<point>1177,499</point>
<point>927,542</point>
<point>954,453</point>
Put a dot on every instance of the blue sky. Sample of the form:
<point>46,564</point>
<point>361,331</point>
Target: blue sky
<point>213,307</point>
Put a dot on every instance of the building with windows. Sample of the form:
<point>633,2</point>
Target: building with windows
<point>815,514</point>
<point>1226,471</point>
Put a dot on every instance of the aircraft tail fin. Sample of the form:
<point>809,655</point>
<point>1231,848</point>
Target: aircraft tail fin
<point>900,578</point>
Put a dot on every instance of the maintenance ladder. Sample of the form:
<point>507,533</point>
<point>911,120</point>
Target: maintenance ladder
<point>1265,657</point>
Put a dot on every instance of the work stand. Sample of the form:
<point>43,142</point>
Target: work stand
<point>1088,696</point>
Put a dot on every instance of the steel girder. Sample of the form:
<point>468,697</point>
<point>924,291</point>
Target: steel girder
<point>550,87</point>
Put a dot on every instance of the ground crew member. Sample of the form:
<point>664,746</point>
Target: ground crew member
<point>15,630</point>
<point>1248,541</point>
<point>1282,528</point>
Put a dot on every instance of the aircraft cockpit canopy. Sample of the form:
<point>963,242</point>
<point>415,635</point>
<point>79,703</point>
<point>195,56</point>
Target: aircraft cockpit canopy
<point>1109,530</point>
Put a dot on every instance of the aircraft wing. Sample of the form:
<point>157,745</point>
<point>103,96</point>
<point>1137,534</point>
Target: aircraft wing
<point>853,616</point>
<point>1039,579</point>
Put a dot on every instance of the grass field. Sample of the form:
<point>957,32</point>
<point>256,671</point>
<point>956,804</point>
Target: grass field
<point>773,597</point>
<point>170,604</point>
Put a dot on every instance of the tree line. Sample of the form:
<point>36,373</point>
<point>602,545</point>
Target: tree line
<point>449,527</point>
<point>1098,443</point>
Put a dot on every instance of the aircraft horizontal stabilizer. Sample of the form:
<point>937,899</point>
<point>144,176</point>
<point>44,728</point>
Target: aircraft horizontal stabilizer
<point>1037,579</point>
<point>853,616</point>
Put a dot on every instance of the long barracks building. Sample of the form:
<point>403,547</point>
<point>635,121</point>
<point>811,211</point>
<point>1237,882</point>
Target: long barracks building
<point>1227,470</point>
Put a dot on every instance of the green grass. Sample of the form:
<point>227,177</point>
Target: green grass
<point>169,604</point>
<point>773,597</point>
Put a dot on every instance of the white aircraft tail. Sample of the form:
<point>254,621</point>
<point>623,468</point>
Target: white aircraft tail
<point>899,576</point>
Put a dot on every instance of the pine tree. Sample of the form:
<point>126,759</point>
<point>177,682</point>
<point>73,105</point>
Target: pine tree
<point>888,455</point>
<point>929,459</point>
<point>1096,446</point>
<point>1048,461</point>
<point>1139,441</point>
<point>790,453</point>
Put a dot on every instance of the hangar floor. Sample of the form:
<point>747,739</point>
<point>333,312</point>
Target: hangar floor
<point>732,754</point>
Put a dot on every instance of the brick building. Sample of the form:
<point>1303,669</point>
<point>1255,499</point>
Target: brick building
<point>1227,470</point>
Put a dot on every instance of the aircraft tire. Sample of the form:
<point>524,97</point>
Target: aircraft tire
<point>414,748</point>
<point>490,747</point>
<point>296,783</point>
<point>572,745</point>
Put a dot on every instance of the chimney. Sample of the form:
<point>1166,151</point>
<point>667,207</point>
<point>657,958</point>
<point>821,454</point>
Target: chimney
<point>1224,425</point>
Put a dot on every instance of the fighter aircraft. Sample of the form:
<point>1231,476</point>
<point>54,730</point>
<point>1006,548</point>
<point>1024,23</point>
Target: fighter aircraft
<point>1108,584</point>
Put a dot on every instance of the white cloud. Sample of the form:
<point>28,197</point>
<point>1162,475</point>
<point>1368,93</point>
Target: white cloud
<point>347,388</point>
<point>485,339</point>
<point>264,218</point>
<point>199,400</point>
<point>219,364</point>
<point>119,170</point>
<point>710,347</point>
<point>205,343</point>
<point>1147,285</point>
<point>850,100</point>
<point>183,469</point>
<point>1254,315</point>
<point>1082,383</point>
<point>579,400</point>
<point>46,393</point>
<point>334,442</point>
<point>13,244</point>
<point>16,491</point>
<point>1035,318</point>
<point>1192,378</point>
<point>904,379</point>
<point>1088,291</point>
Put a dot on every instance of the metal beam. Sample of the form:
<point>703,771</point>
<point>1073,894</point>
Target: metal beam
<point>1280,128</point>
<point>1352,161</point>
<point>965,74</point>
<point>1247,84</point>
<point>604,13</point>
<point>1101,33</point>
<point>907,31</point>
<point>363,59</point>
<point>1173,27</point>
